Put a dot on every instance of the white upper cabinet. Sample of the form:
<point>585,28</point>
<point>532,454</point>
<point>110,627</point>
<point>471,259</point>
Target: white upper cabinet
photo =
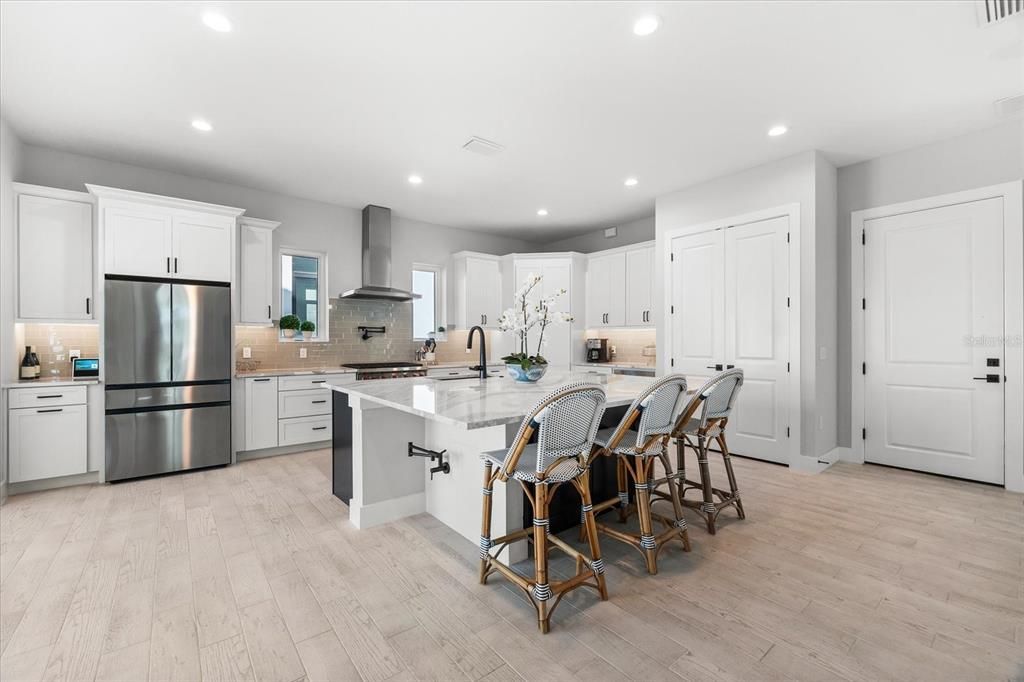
<point>639,285</point>
<point>138,241</point>
<point>606,290</point>
<point>202,247</point>
<point>620,287</point>
<point>256,265</point>
<point>475,290</point>
<point>55,254</point>
<point>154,236</point>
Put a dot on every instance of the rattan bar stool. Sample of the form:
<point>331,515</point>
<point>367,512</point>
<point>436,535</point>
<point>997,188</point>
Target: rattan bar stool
<point>566,422</point>
<point>655,409</point>
<point>702,422</point>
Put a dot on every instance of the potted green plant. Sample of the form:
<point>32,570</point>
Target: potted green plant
<point>525,314</point>
<point>306,326</point>
<point>289,324</point>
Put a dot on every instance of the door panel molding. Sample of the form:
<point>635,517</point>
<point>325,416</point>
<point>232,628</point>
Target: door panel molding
<point>1012,194</point>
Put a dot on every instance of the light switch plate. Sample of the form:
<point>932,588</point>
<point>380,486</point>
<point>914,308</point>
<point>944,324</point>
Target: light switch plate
<point>302,353</point>
<point>246,352</point>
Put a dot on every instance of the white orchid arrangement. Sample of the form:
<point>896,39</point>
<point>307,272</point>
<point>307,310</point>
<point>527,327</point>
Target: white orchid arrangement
<point>528,313</point>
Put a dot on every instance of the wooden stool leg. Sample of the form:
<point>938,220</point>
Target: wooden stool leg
<point>733,489</point>
<point>708,508</point>
<point>541,588</point>
<point>590,526</point>
<point>677,505</point>
<point>681,466</point>
<point>623,483</point>
<point>485,524</point>
<point>643,506</point>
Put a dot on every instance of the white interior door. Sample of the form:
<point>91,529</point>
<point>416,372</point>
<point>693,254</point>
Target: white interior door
<point>757,335</point>
<point>933,322</point>
<point>698,305</point>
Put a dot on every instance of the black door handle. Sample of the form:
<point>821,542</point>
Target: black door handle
<point>168,264</point>
<point>268,313</point>
<point>988,378</point>
<point>730,366</point>
<point>715,367</point>
<point>175,264</point>
<point>87,312</point>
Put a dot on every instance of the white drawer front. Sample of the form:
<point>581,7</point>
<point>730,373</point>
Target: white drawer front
<point>303,430</point>
<point>307,403</point>
<point>43,396</point>
<point>47,441</point>
<point>305,381</point>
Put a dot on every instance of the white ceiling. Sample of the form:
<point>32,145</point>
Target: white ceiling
<point>341,102</point>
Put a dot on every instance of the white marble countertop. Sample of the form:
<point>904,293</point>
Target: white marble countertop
<point>50,381</point>
<point>616,365</point>
<point>476,403</point>
<point>292,372</point>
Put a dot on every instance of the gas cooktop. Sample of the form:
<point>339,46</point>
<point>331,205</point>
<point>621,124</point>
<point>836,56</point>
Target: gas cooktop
<point>383,365</point>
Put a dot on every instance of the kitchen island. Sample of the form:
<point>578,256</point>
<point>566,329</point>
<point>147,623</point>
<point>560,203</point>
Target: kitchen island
<point>375,421</point>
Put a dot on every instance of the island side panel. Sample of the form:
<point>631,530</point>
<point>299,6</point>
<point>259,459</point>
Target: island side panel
<point>386,483</point>
<point>456,498</point>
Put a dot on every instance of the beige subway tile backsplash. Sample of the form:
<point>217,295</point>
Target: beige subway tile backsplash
<point>629,343</point>
<point>53,343</point>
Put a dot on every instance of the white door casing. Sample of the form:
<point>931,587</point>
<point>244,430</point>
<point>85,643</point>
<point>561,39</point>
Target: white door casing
<point>933,318</point>
<point>1011,338</point>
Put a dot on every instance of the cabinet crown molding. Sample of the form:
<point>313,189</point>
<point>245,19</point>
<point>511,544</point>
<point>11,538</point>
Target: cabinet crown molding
<point>159,200</point>
<point>623,249</point>
<point>52,192</point>
<point>260,223</point>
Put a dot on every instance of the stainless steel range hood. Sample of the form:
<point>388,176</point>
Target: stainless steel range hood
<point>377,259</point>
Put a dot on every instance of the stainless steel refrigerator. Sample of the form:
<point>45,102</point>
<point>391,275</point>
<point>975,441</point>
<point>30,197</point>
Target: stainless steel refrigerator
<point>168,376</point>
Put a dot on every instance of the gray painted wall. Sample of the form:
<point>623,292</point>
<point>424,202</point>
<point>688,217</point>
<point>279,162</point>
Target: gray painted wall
<point>10,165</point>
<point>979,159</point>
<point>634,232</point>
<point>305,224</point>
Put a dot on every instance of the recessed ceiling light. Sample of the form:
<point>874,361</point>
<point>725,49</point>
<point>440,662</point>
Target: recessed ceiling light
<point>218,22</point>
<point>415,180</point>
<point>775,131</point>
<point>647,25</point>
<point>630,182</point>
<point>542,212</point>
<point>200,124</point>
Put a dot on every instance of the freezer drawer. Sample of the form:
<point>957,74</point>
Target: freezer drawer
<point>162,441</point>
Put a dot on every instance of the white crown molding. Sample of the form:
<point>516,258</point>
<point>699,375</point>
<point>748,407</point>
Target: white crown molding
<point>158,200</point>
<point>260,223</point>
<point>52,192</point>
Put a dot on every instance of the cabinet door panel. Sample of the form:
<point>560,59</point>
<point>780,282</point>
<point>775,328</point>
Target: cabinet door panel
<point>260,413</point>
<point>54,259</point>
<point>202,248</point>
<point>256,276</point>
<point>639,280</point>
<point>137,241</point>
<point>616,291</point>
<point>483,292</point>
<point>597,292</point>
<point>47,442</point>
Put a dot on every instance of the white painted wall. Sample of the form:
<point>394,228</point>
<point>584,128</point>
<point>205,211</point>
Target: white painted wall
<point>10,165</point>
<point>305,224</point>
<point>633,232</point>
<point>979,159</point>
<point>787,181</point>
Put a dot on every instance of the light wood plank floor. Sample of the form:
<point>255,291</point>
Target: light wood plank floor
<point>253,573</point>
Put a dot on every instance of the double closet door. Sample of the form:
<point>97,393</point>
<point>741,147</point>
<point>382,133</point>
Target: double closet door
<point>730,308</point>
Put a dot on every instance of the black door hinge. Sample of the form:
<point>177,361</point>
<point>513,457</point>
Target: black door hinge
<point>787,432</point>
<point>787,301</point>
<point>863,304</point>
<point>863,237</point>
<point>787,367</point>
<point>672,362</point>
<point>671,256</point>
<point>787,237</point>
<point>863,368</point>
<point>672,310</point>
<point>863,434</point>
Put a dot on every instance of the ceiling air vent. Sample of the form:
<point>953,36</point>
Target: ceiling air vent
<point>479,145</point>
<point>993,11</point>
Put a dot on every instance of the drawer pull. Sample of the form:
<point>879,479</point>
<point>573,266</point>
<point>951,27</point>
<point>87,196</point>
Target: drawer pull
<point>319,428</point>
<point>319,402</point>
<point>261,380</point>
<point>319,381</point>
<point>55,395</point>
<point>56,409</point>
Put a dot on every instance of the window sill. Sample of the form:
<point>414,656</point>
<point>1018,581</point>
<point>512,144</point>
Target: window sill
<point>316,339</point>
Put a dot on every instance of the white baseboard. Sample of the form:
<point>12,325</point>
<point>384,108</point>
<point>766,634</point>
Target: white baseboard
<point>368,515</point>
<point>52,483</point>
<point>844,454</point>
<point>815,465</point>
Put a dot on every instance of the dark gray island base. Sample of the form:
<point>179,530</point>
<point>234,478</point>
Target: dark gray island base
<point>341,462</point>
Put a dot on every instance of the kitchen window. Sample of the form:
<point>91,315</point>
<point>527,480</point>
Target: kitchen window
<point>426,311</point>
<point>303,291</point>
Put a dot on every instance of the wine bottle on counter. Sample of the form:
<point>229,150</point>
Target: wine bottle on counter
<point>35,363</point>
<point>27,370</point>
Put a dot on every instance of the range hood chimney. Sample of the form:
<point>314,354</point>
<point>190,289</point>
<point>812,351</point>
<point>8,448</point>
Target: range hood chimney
<point>377,259</point>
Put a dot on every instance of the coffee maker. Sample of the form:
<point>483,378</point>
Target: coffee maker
<point>598,351</point>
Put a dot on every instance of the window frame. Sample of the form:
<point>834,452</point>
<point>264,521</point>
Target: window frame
<point>323,305</point>
<point>439,299</point>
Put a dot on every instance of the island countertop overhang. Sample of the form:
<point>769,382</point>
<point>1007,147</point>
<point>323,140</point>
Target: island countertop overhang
<point>480,403</point>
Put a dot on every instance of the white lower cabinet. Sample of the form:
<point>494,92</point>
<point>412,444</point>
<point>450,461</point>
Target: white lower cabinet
<point>288,410</point>
<point>260,413</point>
<point>47,441</point>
